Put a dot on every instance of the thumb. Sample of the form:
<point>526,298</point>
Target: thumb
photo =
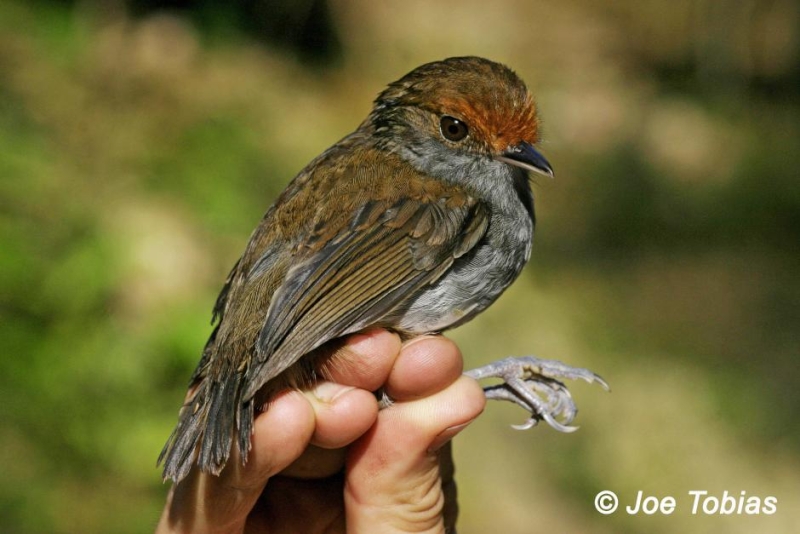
<point>394,472</point>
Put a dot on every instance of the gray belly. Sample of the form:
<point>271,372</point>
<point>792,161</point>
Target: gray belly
<point>475,280</point>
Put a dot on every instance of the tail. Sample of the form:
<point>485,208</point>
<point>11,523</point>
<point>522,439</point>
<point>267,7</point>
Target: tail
<point>207,423</point>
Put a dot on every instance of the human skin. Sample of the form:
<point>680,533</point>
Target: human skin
<point>328,460</point>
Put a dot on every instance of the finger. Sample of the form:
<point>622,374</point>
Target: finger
<point>428,365</point>
<point>342,414</point>
<point>365,360</point>
<point>208,503</point>
<point>393,471</point>
<point>344,407</point>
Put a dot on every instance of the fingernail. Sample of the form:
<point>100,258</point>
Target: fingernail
<point>445,436</point>
<point>330,391</point>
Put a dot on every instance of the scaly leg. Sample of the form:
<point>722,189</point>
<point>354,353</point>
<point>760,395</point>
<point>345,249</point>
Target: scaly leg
<point>534,384</point>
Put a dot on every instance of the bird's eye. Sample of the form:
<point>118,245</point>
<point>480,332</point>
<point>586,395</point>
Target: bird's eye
<point>453,129</point>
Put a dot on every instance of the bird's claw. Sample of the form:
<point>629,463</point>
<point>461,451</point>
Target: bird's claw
<point>534,384</point>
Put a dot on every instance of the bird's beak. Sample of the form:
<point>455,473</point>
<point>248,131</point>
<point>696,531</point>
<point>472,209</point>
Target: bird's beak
<point>524,155</point>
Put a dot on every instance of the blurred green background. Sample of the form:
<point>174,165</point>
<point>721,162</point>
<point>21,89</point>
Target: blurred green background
<point>140,142</point>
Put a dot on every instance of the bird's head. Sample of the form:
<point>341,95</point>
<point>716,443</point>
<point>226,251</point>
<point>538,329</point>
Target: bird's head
<point>468,105</point>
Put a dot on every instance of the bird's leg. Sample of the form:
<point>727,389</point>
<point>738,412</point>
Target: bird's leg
<point>534,384</point>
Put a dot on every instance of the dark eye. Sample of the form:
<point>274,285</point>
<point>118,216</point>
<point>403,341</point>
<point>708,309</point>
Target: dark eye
<point>453,129</point>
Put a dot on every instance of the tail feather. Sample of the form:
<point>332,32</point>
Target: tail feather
<point>206,426</point>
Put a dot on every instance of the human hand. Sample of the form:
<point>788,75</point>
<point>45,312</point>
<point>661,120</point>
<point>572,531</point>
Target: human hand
<point>327,460</point>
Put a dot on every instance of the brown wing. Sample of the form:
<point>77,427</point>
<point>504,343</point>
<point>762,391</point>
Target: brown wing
<point>363,273</point>
<point>317,279</point>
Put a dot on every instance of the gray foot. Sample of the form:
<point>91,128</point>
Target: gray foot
<point>534,384</point>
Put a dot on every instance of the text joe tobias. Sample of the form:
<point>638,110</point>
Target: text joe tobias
<point>702,503</point>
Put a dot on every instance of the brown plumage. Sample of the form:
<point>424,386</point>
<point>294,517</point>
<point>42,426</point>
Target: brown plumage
<point>402,224</point>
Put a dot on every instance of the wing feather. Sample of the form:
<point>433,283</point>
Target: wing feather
<point>363,276</point>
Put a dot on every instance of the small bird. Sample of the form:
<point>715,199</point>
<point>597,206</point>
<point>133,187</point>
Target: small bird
<point>416,222</point>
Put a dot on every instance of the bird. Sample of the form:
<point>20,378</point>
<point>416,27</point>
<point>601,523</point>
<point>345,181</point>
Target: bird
<point>415,222</point>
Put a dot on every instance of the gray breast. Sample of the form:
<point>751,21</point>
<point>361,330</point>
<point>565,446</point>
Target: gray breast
<point>480,276</point>
<point>477,278</point>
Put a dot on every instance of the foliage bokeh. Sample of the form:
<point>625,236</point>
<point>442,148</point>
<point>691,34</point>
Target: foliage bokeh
<point>139,147</point>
